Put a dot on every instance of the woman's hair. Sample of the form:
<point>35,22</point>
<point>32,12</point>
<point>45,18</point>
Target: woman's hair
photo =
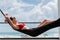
<point>12,18</point>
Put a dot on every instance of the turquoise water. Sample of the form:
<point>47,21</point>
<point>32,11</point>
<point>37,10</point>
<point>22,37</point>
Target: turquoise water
<point>5,29</point>
<point>11,33</point>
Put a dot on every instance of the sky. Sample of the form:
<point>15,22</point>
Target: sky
<point>30,11</point>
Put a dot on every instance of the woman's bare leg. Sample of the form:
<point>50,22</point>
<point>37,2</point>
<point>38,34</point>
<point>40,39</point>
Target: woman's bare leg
<point>45,22</point>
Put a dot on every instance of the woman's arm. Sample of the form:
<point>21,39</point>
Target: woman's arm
<point>11,23</point>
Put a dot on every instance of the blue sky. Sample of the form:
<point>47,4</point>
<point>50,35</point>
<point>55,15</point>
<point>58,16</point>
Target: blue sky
<point>30,10</point>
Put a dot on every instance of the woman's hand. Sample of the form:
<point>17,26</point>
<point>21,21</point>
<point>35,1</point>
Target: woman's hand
<point>6,17</point>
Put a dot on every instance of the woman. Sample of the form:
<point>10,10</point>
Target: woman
<point>44,26</point>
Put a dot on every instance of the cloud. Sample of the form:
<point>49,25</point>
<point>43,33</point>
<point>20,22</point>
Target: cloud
<point>46,11</point>
<point>50,9</point>
<point>19,5</point>
<point>34,2</point>
<point>21,9</point>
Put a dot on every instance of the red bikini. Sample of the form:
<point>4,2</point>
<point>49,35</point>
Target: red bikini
<point>21,25</point>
